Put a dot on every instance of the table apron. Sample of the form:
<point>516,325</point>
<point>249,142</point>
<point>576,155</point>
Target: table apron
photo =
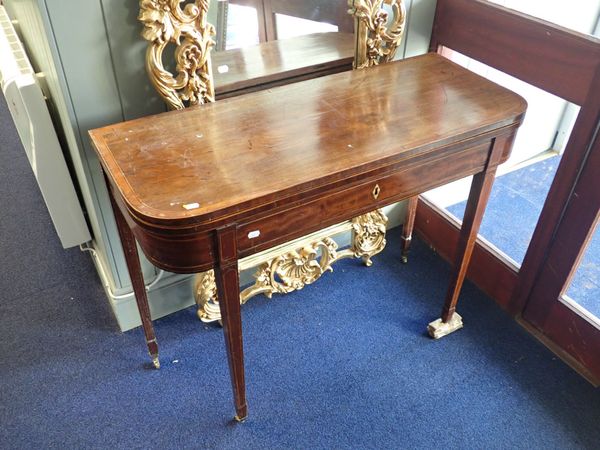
<point>282,226</point>
<point>194,252</point>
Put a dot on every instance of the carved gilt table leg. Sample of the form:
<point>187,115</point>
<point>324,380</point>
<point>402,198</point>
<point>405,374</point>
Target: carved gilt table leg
<point>290,268</point>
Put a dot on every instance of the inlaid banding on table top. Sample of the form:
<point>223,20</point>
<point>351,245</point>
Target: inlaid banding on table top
<point>255,146</point>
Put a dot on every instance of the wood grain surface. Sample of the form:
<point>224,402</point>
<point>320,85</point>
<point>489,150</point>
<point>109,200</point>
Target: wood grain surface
<point>245,151</point>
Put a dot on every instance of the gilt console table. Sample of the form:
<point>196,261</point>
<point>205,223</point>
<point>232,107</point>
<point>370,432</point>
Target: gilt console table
<point>200,188</point>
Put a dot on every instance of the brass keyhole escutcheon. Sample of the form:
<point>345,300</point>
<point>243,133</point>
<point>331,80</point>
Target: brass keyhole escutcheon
<point>376,191</point>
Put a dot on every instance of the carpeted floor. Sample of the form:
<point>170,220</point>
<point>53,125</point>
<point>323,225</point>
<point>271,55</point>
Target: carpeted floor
<point>344,363</point>
<point>524,192</point>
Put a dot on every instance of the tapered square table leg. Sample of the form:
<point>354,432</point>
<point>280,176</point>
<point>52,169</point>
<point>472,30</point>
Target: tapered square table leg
<point>409,224</point>
<point>132,259</point>
<point>481,187</point>
<point>227,278</point>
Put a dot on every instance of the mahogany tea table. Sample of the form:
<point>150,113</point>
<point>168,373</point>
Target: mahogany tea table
<point>200,188</point>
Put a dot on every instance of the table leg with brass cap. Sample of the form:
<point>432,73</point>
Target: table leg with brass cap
<point>481,188</point>
<point>438,328</point>
<point>228,286</point>
<point>137,279</point>
<point>409,224</point>
<point>155,360</point>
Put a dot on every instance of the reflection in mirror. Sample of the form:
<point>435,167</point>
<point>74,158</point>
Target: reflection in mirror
<point>184,29</point>
<point>289,26</point>
<point>262,43</point>
<point>239,27</point>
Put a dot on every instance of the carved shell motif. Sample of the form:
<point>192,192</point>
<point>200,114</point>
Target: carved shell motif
<point>377,41</point>
<point>166,23</point>
<point>296,269</point>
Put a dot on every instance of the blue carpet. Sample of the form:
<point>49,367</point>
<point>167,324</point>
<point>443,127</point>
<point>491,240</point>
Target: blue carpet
<point>514,207</point>
<point>512,214</point>
<point>344,363</point>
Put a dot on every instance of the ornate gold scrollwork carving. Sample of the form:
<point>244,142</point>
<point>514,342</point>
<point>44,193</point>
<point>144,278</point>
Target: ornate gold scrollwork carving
<point>369,235</point>
<point>165,22</point>
<point>205,293</point>
<point>376,40</point>
<point>295,269</point>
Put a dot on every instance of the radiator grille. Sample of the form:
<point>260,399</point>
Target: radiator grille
<point>13,59</point>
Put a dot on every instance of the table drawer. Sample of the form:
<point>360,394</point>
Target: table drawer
<point>329,209</point>
<point>304,219</point>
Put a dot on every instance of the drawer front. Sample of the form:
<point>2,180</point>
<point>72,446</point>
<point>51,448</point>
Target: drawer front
<point>291,223</point>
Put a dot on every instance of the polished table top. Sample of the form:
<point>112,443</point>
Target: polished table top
<point>246,151</point>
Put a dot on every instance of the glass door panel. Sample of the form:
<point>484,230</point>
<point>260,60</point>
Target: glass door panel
<point>514,207</point>
<point>570,267</point>
<point>583,291</point>
<point>523,182</point>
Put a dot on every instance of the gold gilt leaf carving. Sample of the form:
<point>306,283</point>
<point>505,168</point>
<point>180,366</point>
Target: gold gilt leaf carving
<point>165,22</point>
<point>295,269</point>
<point>369,235</point>
<point>377,38</point>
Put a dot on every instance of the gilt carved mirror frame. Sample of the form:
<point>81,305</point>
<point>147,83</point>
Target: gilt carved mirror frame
<point>377,39</point>
<point>166,23</point>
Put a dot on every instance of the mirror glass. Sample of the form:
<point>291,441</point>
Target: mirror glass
<point>264,41</point>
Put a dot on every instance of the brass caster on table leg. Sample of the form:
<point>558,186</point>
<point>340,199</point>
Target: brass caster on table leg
<point>156,362</point>
<point>241,413</point>
<point>438,329</point>
<point>239,419</point>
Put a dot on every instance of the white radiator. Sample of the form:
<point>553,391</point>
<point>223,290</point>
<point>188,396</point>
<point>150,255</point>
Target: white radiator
<point>29,111</point>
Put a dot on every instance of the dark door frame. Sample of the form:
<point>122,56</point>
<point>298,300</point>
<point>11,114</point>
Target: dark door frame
<point>552,58</point>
